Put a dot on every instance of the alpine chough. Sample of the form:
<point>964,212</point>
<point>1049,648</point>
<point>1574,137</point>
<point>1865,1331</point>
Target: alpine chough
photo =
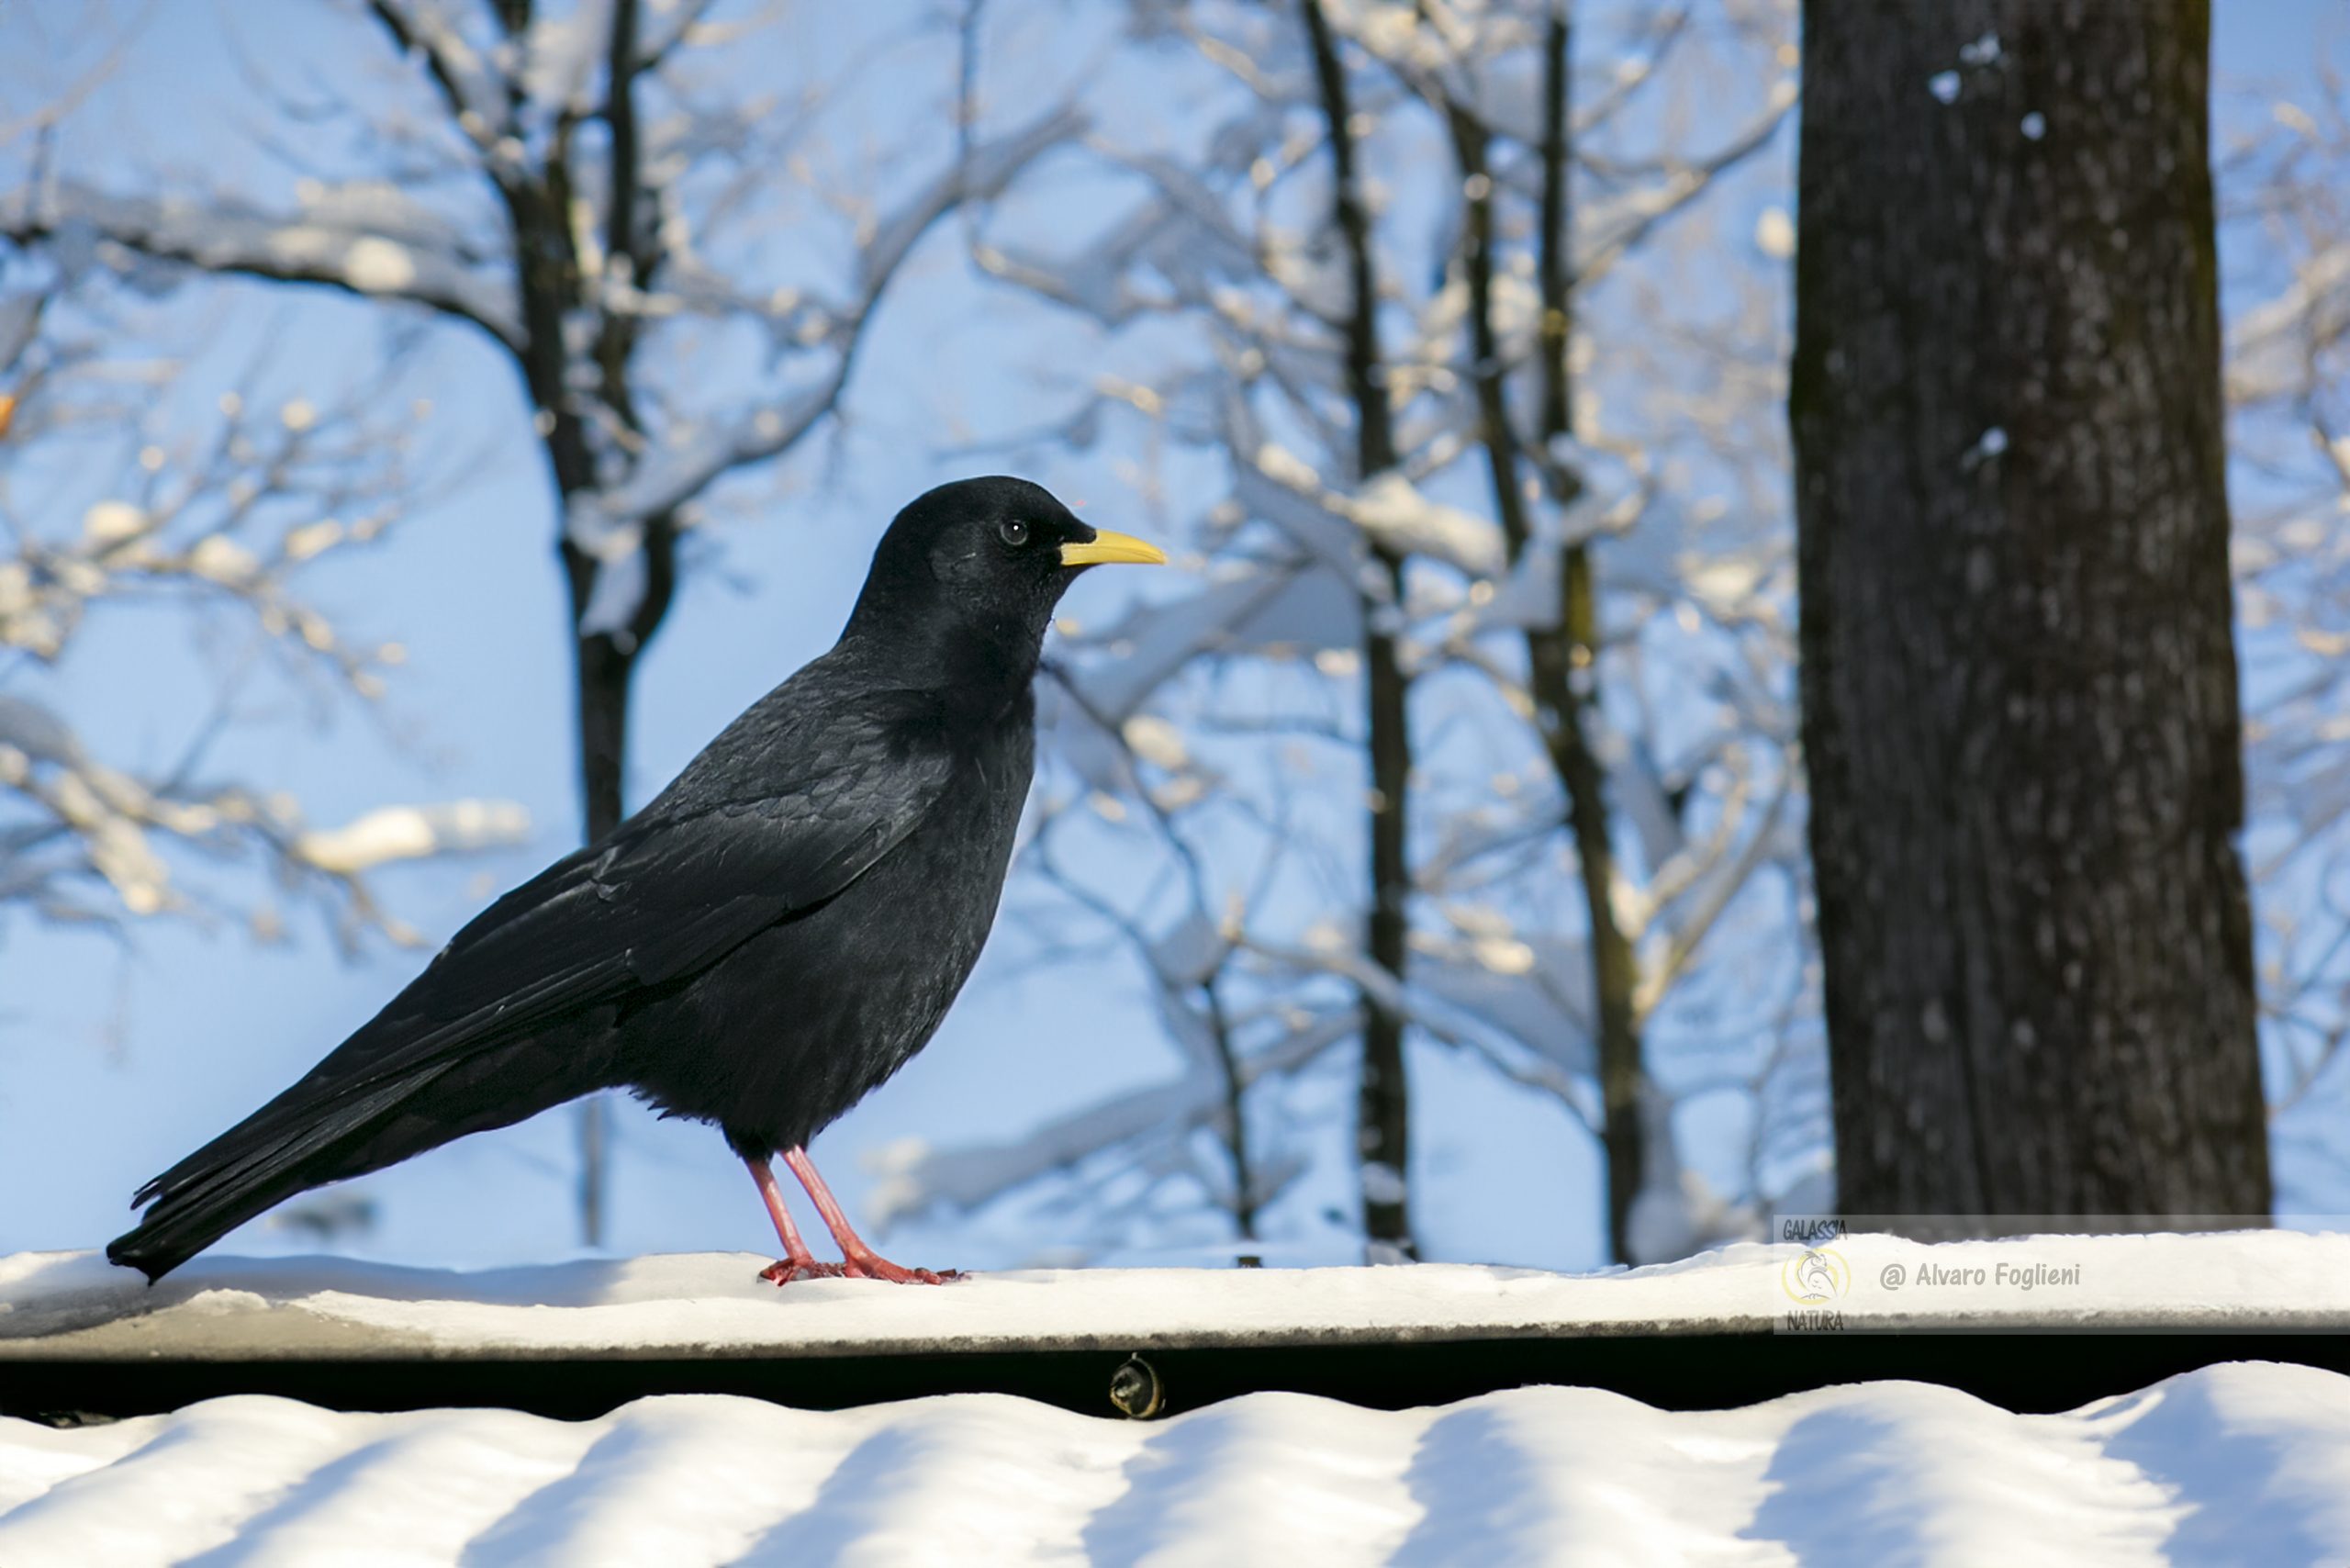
<point>770,939</point>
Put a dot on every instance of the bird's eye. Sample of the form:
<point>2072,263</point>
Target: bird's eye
<point>1014,532</point>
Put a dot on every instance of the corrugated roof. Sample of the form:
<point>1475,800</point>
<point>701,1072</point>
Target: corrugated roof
<point>2243,1463</point>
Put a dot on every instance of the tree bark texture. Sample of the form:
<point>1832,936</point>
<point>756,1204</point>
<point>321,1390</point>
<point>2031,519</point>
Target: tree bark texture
<point>2018,675</point>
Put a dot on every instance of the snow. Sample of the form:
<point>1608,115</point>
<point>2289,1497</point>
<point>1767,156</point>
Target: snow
<point>1545,1002</point>
<point>1983,51</point>
<point>1388,510</point>
<point>2245,1462</point>
<point>1992,443</point>
<point>622,576</point>
<point>368,237</point>
<point>1268,606</point>
<point>479,87</point>
<point>377,265</point>
<point>411,832</point>
<point>111,522</point>
<point>74,1304</point>
<point>2266,341</point>
<point>1393,512</point>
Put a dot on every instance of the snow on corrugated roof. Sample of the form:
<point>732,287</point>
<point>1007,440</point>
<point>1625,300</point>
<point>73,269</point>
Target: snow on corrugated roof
<point>61,1305</point>
<point>2239,1463</point>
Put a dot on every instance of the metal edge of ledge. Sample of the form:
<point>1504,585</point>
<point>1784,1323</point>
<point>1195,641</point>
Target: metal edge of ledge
<point>293,1335</point>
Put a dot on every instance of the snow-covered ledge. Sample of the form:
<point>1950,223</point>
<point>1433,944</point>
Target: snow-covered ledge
<point>59,1306</point>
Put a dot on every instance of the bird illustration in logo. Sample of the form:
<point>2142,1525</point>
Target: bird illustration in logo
<point>1817,1276</point>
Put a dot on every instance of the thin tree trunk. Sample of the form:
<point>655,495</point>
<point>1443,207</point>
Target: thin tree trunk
<point>2019,678</point>
<point>603,662</point>
<point>1563,665</point>
<point>605,666</point>
<point>1563,660</point>
<point>1383,1112</point>
<point>1236,1112</point>
<point>1384,1130</point>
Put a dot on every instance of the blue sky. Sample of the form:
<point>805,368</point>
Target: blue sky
<point>111,1066</point>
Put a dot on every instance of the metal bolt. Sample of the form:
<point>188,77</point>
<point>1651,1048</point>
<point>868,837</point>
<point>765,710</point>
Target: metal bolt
<point>1135,1390</point>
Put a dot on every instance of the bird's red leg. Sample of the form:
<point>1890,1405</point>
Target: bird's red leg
<point>863,1263</point>
<point>797,1263</point>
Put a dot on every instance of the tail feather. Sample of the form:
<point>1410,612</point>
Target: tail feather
<point>276,1152</point>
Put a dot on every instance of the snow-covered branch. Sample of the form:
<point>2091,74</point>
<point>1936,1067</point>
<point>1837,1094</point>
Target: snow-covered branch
<point>471,86</point>
<point>2287,379</point>
<point>365,239</point>
<point>225,520</point>
<point>914,1176</point>
<point>608,522</point>
<point>669,478</point>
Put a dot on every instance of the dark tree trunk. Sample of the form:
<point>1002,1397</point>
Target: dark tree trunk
<point>2018,679</point>
<point>1563,659</point>
<point>1383,1112</point>
<point>539,205</point>
<point>604,664</point>
<point>1384,1133</point>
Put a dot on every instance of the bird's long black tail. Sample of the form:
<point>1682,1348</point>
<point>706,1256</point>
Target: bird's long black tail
<point>370,1103</point>
<point>293,1143</point>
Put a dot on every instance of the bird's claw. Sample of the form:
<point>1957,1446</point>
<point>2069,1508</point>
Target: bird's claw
<point>878,1268</point>
<point>783,1270</point>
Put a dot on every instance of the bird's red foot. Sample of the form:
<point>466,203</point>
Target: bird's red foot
<point>783,1270</point>
<point>873,1266</point>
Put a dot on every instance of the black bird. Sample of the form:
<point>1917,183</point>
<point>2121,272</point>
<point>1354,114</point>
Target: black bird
<point>764,943</point>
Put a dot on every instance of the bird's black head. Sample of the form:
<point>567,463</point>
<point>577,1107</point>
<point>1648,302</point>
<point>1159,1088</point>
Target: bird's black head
<point>970,572</point>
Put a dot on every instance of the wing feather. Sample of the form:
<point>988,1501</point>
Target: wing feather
<point>669,895</point>
<point>670,892</point>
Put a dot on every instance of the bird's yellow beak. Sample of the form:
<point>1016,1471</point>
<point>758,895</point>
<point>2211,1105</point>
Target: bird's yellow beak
<point>1105,547</point>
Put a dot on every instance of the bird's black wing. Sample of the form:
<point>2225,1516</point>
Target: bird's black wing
<point>668,893</point>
